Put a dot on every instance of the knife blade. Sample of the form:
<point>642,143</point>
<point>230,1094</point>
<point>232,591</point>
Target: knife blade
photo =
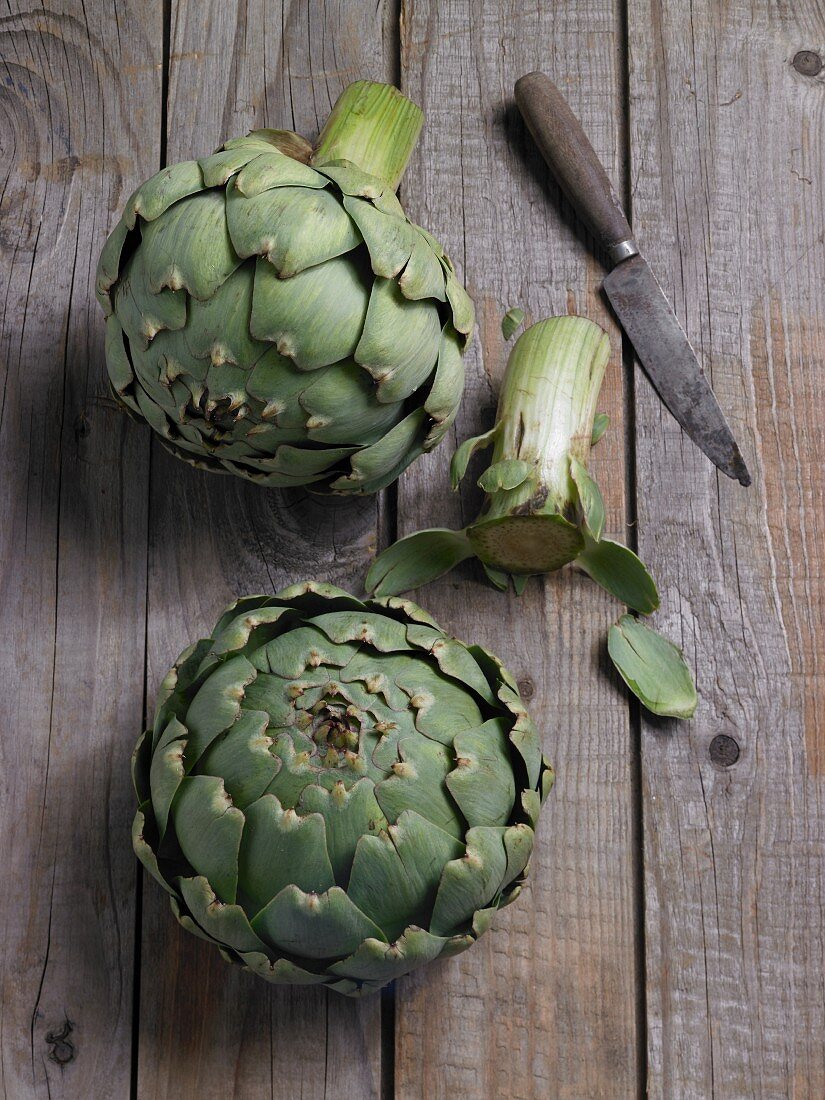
<point>640,304</point>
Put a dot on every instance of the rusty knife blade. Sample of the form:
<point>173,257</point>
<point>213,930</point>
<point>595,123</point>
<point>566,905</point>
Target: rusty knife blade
<point>670,363</point>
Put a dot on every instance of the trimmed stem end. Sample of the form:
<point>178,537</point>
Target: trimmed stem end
<point>375,127</point>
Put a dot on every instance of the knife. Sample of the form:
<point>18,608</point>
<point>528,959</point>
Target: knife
<point>639,302</point>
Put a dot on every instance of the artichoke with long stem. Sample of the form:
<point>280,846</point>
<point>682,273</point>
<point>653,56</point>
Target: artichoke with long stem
<point>543,510</point>
<point>273,313</point>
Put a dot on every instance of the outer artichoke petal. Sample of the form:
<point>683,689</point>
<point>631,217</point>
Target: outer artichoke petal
<point>400,342</point>
<point>220,167</point>
<point>189,247</point>
<point>144,850</point>
<point>219,329</point>
<point>293,227</point>
<point>141,312</point>
<point>423,276</point>
<point>349,816</point>
<point>162,190</point>
<point>389,238</point>
<point>279,847</point>
<point>316,926</point>
<point>275,169</point>
<point>242,758</point>
<point>283,141</point>
<point>167,771</point>
<point>121,372</point>
<point>453,658</point>
<point>460,303</point>
<point>216,705</point>
<point>378,465</point>
<point>342,408</point>
<point>395,876</point>
<point>382,962</point>
<point>208,828</point>
<point>518,844</point>
<point>448,385</point>
<point>281,970</point>
<point>621,573</point>
<point>482,784</point>
<point>108,266</point>
<point>470,883</point>
<point>316,317</point>
<point>524,736</point>
<point>225,924</point>
<point>417,783</point>
<point>384,634</point>
<point>351,180</point>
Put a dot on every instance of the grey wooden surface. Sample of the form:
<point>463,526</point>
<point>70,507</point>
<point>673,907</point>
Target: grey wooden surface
<point>673,939</point>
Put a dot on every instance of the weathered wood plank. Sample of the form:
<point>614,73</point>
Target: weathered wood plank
<point>208,1029</point>
<point>73,545</point>
<point>728,166</point>
<point>545,1005</point>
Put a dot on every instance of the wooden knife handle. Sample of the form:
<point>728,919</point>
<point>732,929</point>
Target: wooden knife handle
<point>573,161</point>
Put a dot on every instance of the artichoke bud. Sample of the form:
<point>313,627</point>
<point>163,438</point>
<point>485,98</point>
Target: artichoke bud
<point>304,856</point>
<point>297,268</point>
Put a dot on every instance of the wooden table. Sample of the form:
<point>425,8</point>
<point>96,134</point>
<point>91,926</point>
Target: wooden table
<point>673,937</point>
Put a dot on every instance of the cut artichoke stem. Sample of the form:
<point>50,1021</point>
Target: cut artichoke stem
<point>374,127</point>
<point>545,412</point>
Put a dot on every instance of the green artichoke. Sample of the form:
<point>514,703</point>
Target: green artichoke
<point>273,313</point>
<point>334,791</point>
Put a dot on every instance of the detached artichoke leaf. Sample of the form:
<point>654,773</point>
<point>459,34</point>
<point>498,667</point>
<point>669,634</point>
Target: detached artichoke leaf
<point>653,668</point>
<point>621,573</point>
<point>416,560</point>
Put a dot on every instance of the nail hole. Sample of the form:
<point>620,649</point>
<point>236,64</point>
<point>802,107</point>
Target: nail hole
<point>808,63</point>
<point>724,750</point>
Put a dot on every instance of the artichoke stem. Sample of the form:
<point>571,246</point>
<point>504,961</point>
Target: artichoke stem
<point>375,127</point>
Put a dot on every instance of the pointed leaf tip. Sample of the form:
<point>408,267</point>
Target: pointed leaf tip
<point>653,668</point>
<point>621,573</point>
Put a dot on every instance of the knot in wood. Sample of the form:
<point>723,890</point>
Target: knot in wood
<point>724,750</point>
<point>808,63</point>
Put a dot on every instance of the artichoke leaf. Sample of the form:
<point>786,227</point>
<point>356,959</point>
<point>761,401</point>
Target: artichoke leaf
<point>416,560</point>
<point>454,658</point>
<point>400,342</point>
<point>280,847</point>
<point>470,883</point>
<point>389,238</point>
<point>166,771</point>
<point>601,422</point>
<point>163,190</point>
<point>208,828</point>
<point>482,783</point>
<point>280,971</point>
<point>189,247</point>
<point>462,456</point>
<point>423,275</point>
<point>417,783</point>
<point>216,704</point>
<point>276,169</point>
<point>498,578</point>
<point>349,815</point>
<point>590,499</point>
<point>395,875</point>
<point>144,851</point>
<point>379,961</point>
<point>621,573</point>
<point>316,926</point>
<point>443,399</point>
<point>315,318</point>
<point>292,227</point>
<point>378,465</point>
<point>509,473</point>
<point>223,924</point>
<point>242,758</point>
<point>653,668</point>
<point>511,321</point>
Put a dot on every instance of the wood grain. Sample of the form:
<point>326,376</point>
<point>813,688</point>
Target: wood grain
<point>727,161</point>
<point>545,1005</point>
<point>73,497</point>
<point>207,1029</point>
